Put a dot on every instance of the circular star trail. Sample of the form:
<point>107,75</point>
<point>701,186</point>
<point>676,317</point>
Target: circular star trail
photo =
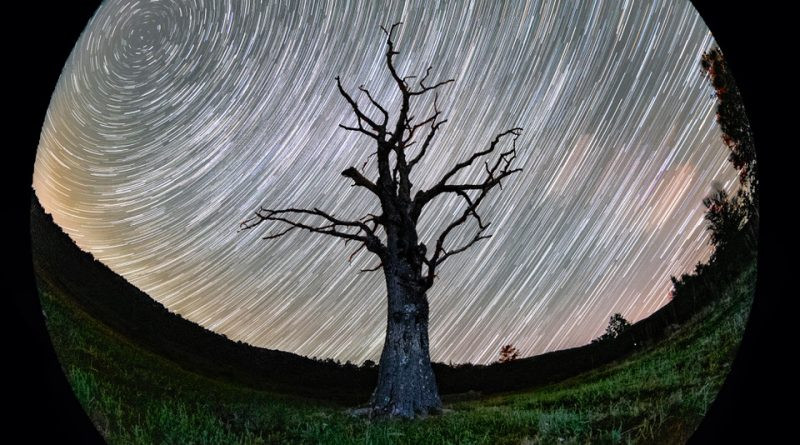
<point>173,121</point>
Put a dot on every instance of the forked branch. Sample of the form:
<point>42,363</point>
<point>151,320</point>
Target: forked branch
<point>331,226</point>
<point>379,128</point>
<point>495,173</point>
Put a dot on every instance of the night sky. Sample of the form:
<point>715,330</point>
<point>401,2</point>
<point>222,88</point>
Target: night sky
<point>173,121</point>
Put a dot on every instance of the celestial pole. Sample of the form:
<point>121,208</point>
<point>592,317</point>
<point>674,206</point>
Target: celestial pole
<point>172,122</point>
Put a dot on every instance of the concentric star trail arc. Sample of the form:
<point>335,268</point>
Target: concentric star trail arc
<point>174,120</point>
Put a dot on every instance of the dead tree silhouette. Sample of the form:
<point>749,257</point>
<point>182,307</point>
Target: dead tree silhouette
<point>406,384</point>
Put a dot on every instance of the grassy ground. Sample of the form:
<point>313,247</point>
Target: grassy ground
<point>656,395</point>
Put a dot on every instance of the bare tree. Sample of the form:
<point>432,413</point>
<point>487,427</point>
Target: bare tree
<point>406,383</point>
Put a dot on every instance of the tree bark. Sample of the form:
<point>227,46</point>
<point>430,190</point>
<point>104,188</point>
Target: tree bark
<point>406,383</point>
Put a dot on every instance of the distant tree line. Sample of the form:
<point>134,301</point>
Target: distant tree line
<point>732,220</point>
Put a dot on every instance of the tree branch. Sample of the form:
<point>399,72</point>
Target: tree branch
<point>448,253</point>
<point>381,129</point>
<point>426,143</point>
<point>494,175</point>
<point>411,129</point>
<point>371,269</point>
<point>489,183</point>
<point>505,160</point>
<point>361,129</point>
<point>350,258</point>
<point>440,253</point>
<point>360,180</point>
<point>363,233</point>
<point>403,123</point>
<point>390,53</point>
<point>377,105</point>
<point>280,234</point>
<point>425,89</point>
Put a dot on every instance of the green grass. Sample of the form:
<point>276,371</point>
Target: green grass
<point>656,395</point>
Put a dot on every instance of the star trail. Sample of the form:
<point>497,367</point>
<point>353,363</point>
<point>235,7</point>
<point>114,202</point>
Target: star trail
<point>173,121</point>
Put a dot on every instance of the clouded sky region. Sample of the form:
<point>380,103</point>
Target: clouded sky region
<point>173,121</point>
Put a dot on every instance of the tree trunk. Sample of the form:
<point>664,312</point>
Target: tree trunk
<point>406,383</point>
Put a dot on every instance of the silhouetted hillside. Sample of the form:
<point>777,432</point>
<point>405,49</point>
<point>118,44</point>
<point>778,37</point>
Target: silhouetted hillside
<point>62,267</point>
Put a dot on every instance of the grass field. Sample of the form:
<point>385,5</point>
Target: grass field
<point>657,395</point>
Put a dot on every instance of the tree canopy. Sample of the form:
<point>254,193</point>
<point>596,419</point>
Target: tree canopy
<point>617,324</point>
<point>728,215</point>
